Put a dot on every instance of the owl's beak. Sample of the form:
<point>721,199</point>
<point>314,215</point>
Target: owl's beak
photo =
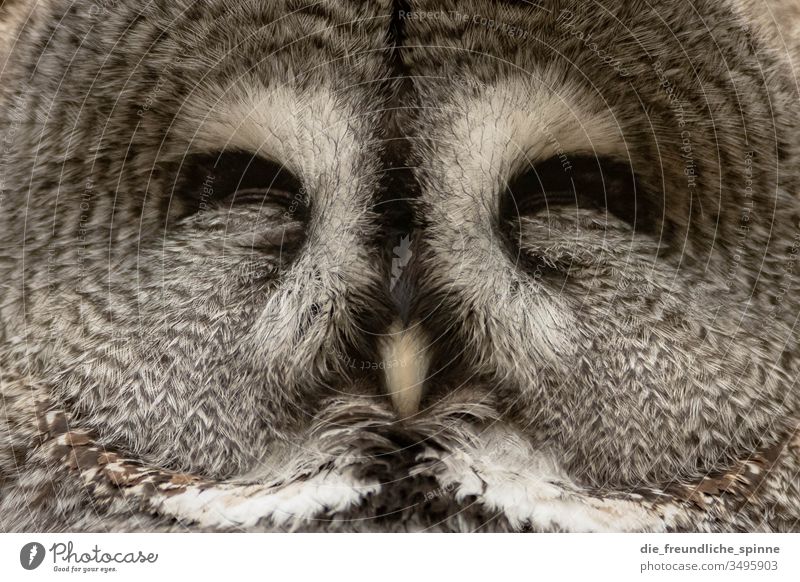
<point>406,360</point>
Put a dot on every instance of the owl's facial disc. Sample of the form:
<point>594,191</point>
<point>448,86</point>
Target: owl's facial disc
<point>200,261</point>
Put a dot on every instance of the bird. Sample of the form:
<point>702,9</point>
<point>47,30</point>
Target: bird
<point>399,265</point>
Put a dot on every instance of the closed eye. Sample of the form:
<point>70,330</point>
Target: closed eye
<point>236,178</point>
<point>567,213</point>
<point>245,202</point>
<point>583,182</point>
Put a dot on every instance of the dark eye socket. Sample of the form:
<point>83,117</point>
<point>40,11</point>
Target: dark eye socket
<point>238,177</point>
<point>584,182</point>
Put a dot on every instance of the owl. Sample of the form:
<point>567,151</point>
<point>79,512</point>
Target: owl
<point>399,265</point>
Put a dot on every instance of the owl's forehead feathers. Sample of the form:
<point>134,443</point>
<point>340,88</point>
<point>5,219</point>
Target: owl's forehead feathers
<point>487,136</point>
<point>310,132</point>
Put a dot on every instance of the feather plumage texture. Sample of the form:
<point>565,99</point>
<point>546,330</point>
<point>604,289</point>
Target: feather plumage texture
<point>459,469</point>
<point>177,356</point>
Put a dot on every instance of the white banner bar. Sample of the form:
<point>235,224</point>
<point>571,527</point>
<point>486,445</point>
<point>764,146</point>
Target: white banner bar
<point>388,557</point>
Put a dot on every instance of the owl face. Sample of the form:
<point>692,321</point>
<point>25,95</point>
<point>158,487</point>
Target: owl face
<point>228,218</point>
